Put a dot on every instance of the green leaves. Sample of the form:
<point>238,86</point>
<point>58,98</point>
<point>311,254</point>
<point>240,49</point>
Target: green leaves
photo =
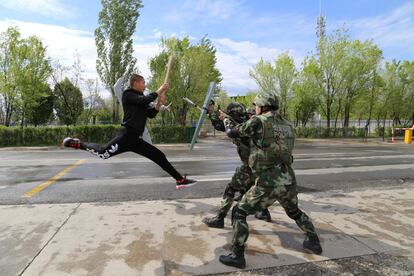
<point>345,79</point>
<point>68,102</point>
<point>24,71</point>
<point>114,43</point>
<point>194,67</point>
<point>276,78</point>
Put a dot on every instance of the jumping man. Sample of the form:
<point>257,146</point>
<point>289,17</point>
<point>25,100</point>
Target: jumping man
<point>137,109</point>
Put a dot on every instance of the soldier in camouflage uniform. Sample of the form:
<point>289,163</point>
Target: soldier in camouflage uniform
<point>214,115</point>
<point>272,140</point>
<point>242,179</point>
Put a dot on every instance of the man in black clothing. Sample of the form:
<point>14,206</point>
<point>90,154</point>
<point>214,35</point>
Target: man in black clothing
<point>137,109</point>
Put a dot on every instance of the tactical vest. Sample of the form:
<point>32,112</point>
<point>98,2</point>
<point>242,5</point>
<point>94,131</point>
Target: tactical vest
<point>275,144</point>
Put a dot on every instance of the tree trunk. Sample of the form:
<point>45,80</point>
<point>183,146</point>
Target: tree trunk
<point>9,111</point>
<point>347,112</point>
<point>297,118</point>
<point>336,116</point>
<point>328,120</point>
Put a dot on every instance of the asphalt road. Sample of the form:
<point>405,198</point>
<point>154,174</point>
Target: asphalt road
<point>53,175</point>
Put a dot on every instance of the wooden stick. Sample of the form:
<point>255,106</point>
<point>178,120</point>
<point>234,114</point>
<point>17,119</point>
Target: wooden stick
<point>169,64</point>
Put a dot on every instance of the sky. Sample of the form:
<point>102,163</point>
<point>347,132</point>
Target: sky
<point>243,31</point>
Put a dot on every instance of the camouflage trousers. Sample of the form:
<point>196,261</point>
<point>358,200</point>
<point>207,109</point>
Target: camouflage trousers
<point>241,181</point>
<point>270,186</point>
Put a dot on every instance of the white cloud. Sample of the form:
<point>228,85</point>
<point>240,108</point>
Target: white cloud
<point>62,43</point>
<point>395,29</point>
<point>144,52</point>
<point>236,58</point>
<point>54,8</point>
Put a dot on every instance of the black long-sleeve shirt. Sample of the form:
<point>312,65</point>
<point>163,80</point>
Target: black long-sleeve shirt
<point>137,110</point>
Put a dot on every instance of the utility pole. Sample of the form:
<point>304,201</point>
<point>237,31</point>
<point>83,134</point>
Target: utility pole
<point>320,23</point>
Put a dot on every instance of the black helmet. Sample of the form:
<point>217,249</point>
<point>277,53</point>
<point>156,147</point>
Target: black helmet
<point>238,112</point>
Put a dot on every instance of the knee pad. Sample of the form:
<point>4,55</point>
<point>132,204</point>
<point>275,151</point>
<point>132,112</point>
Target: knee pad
<point>294,214</point>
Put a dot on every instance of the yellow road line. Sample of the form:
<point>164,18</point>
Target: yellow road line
<point>52,180</point>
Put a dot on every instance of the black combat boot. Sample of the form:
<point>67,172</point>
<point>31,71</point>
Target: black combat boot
<point>235,258</point>
<point>264,215</point>
<point>312,243</point>
<point>215,222</point>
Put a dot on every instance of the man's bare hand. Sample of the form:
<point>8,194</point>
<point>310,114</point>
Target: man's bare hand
<point>163,89</point>
<point>222,115</point>
<point>161,98</point>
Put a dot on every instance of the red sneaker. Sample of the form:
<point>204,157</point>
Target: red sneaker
<point>184,183</point>
<point>71,143</point>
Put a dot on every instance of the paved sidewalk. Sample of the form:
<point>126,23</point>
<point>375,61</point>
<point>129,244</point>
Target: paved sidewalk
<point>168,238</point>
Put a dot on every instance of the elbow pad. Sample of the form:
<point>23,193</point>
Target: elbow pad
<point>233,133</point>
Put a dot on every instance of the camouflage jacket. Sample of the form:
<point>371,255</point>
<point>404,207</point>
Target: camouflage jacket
<point>272,140</point>
<point>243,143</point>
<point>215,121</point>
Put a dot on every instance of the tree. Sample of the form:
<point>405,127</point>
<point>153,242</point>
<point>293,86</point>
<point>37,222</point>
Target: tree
<point>9,45</point>
<point>370,100</point>
<point>33,76</point>
<point>359,71</point>
<point>41,112</point>
<point>114,44</point>
<point>93,101</point>
<point>276,79</point>
<point>399,91</point>
<point>193,69</point>
<point>263,73</point>
<point>248,99</point>
<point>406,75</point>
<point>285,71</point>
<point>68,102</point>
<point>307,90</point>
<point>24,73</point>
<point>331,58</point>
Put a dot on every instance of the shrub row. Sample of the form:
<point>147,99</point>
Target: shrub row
<point>322,132</point>
<point>53,135</point>
<point>101,134</point>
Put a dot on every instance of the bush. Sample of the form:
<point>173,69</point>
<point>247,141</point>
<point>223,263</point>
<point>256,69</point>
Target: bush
<point>317,132</point>
<point>388,131</point>
<point>171,134</point>
<point>101,134</point>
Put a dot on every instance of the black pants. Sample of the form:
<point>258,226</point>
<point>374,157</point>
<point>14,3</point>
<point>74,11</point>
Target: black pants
<point>129,140</point>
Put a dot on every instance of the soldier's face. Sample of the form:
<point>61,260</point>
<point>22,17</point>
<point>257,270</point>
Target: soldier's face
<point>258,110</point>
